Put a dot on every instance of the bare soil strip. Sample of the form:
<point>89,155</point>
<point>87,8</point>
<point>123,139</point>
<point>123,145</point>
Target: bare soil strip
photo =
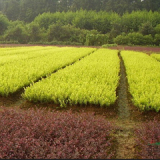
<point>122,100</point>
<point>125,137</point>
<point>144,49</point>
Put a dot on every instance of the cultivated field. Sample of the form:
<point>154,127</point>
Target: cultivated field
<point>92,80</point>
<point>108,82</point>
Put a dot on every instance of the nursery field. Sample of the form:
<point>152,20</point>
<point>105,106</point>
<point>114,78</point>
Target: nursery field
<point>93,80</point>
<point>121,86</point>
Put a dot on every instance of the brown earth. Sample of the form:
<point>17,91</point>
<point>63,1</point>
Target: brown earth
<point>147,50</point>
<point>123,113</point>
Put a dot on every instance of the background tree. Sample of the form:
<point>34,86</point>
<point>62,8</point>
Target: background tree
<point>4,23</point>
<point>27,10</point>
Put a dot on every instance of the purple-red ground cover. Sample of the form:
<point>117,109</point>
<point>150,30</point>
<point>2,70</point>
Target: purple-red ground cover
<point>145,49</point>
<point>148,140</point>
<point>30,134</point>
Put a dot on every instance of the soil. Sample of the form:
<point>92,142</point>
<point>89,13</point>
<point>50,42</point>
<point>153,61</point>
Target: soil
<point>123,113</point>
<point>147,50</point>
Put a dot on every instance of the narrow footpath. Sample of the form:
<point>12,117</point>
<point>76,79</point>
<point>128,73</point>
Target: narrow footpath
<point>125,136</point>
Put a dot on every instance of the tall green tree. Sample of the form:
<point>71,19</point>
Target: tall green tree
<point>27,10</point>
<point>4,23</point>
<point>11,8</point>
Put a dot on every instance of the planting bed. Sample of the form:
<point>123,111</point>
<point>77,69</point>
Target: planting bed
<point>118,130</point>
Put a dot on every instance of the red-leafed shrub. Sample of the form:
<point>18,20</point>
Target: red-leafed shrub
<point>148,141</point>
<point>54,135</point>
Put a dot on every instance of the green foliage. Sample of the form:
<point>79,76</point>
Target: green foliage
<point>156,56</point>
<point>81,83</point>
<point>31,67</point>
<point>44,20</point>
<point>157,29</point>
<point>143,78</point>
<point>66,33</point>
<point>148,40</point>
<point>77,27</point>
<point>21,53</point>
<point>157,39</point>
<point>17,32</point>
<point>121,39</point>
<point>9,42</point>
<point>134,39</point>
<point>57,43</point>
<point>84,19</point>
<point>133,21</point>
<point>89,20</point>
<point>96,39</point>
<point>146,28</point>
<point>4,23</point>
<point>109,45</point>
<point>34,32</point>
<point>27,10</point>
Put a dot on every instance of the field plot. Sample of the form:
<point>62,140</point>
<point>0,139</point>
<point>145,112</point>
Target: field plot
<point>143,73</point>
<point>20,50</point>
<point>79,80</point>
<point>156,56</point>
<point>22,72</point>
<point>93,80</point>
<point>27,53</point>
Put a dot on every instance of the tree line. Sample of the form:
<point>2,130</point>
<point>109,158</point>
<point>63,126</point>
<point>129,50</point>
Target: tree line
<point>83,27</point>
<point>27,10</point>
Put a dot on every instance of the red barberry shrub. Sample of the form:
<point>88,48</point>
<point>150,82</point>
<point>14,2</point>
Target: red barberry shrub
<point>148,140</point>
<point>54,135</point>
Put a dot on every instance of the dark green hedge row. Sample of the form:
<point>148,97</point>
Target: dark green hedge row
<point>85,28</point>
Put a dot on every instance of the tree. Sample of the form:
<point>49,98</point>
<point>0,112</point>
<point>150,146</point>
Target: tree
<point>11,8</point>
<point>147,28</point>
<point>4,23</point>
<point>16,32</point>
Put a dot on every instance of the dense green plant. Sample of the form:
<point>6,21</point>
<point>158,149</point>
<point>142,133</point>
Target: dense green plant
<point>157,29</point>
<point>9,42</point>
<point>34,32</point>
<point>27,10</point>
<point>156,56</point>
<point>146,28</point>
<point>109,45</point>
<point>76,27</point>
<point>96,39</point>
<point>121,39</point>
<point>100,21</point>
<point>66,33</point>
<point>4,23</point>
<point>143,78</point>
<point>134,38</point>
<point>28,69</point>
<point>81,83</point>
<point>157,39</point>
<point>17,32</point>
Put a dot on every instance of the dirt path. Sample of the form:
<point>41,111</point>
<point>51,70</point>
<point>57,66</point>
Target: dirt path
<point>124,113</point>
<point>125,137</point>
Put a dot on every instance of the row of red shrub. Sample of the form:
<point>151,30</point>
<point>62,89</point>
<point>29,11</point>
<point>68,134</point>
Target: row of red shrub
<point>65,135</point>
<point>54,135</point>
<point>148,140</point>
